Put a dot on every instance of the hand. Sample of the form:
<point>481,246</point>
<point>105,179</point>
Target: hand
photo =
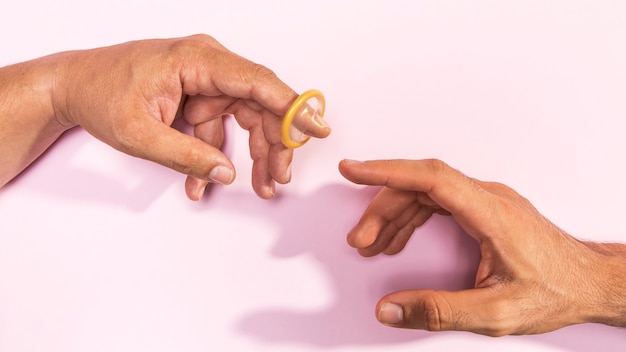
<point>532,278</point>
<point>129,95</point>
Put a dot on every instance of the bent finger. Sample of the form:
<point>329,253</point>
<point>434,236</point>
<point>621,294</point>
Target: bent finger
<point>387,205</point>
<point>399,241</point>
<point>447,187</point>
<point>279,163</point>
<point>211,132</point>
<point>200,108</point>
<point>209,72</point>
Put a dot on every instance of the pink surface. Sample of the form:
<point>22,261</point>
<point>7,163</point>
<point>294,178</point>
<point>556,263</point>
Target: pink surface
<point>101,252</point>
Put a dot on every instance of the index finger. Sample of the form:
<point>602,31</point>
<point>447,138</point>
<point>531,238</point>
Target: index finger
<point>446,186</point>
<point>210,69</point>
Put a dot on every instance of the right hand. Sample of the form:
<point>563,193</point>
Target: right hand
<point>533,277</point>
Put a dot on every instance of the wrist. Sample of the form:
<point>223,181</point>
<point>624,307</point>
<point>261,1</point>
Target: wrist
<point>28,124</point>
<point>609,299</point>
<point>60,74</point>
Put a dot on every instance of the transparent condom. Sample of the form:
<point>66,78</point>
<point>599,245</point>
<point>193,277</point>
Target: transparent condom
<point>302,116</point>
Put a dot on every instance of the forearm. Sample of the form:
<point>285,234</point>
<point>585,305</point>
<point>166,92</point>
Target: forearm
<point>27,120</point>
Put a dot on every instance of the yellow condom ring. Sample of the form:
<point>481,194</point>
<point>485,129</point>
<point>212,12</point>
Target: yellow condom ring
<point>291,113</point>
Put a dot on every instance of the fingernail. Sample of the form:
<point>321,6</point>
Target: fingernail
<point>201,192</point>
<point>351,162</point>
<point>271,189</point>
<point>221,174</point>
<point>390,313</point>
<point>321,122</point>
<point>288,173</point>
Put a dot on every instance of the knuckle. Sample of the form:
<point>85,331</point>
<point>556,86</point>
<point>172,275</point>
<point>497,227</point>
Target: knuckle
<point>437,166</point>
<point>500,320</point>
<point>200,40</point>
<point>439,316</point>
<point>261,73</point>
<point>255,76</point>
<point>432,316</point>
<point>501,186</point>
<point>203,38</point>
<point>193,45</point>
<point>436,310</point>
<point>185,161</point>
<point>502,189</point>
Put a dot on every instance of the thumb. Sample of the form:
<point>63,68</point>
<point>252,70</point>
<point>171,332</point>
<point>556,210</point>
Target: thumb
<point>474,310</point>
<point>184,153</point>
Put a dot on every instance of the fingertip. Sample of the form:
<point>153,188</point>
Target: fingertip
<point>269,191</point>
<point>361,238</point>
<point>350,240</point>
<point>367,252</point>
<point>222,174</point>
<point>194,188</point>
<point>279,163</point>
<point>266,190</point>
<point>389,313</point>
<point>321,128</point>
<point>349,162</point>
<point>324,132</point>
<point>345,165</point>
<point>263,182</point>
<point>392,250</point>
<point>287,175</point>
<point>283,178</point>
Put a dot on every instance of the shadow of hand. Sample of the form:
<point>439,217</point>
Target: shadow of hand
<point>440,257</point>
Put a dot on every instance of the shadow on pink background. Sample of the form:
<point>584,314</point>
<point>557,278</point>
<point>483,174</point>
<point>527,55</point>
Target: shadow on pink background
<point>439,256</point>
<point>92,186</point>
<point>530,76</point>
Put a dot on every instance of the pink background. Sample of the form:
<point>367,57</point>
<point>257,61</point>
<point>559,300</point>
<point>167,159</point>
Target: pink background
<point>102,252</point>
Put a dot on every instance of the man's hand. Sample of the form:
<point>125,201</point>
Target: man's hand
<point>128,96</point>
<point>533,277</point>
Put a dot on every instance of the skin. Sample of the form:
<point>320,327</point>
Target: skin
<point>532,278</point>
<point>128,96</point>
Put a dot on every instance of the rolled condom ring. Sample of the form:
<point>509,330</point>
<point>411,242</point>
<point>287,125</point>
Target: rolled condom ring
<point>302,116</point>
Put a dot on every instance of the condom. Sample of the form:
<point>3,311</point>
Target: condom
<point>302,119</point>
